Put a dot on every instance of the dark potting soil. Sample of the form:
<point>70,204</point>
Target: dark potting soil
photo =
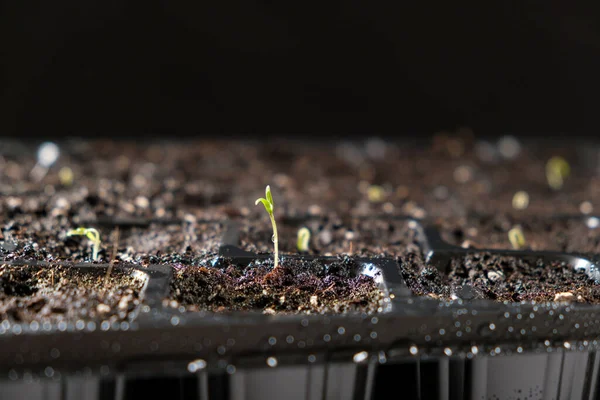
<point>501,278</point>
<point>576,235</point>
<point>58,293</point>
<point>27,237</point>
<point>297,286</point>
<point>451,176</point>
<point>333,235</point>
<point>212,180</point>
<point>182,244</point>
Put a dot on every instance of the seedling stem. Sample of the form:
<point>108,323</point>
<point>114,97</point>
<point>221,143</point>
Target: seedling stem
<point>267,201</point>
<point>90,233</point>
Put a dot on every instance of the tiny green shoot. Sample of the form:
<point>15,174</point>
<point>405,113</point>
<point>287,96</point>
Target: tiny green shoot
<point>557,169</point>
<point>90,233</point>
<point>65,175</point>
<point>267,201</point>
<point>520,200</point>
<point>516,238</point>
<point>303,239</point>
<point>375,194</point>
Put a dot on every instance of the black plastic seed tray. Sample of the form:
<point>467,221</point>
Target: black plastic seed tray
<point>466,348</point>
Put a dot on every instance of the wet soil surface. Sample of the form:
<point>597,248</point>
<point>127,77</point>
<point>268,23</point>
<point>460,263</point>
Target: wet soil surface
<point>190,183</point>
<point>58,293</point>
<point>574,235</point>
<point>334,235</point>
<point>501,278</point>
<point>26,237</point>
<point>306,287</point>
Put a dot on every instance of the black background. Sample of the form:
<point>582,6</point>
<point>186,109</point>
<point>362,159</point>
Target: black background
<point>272,67</point>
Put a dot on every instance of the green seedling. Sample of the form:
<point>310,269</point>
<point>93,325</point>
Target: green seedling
<point>90,233</point>
<point>268,203</point>
<point>375,194</point>
<point>303,239</point>
<point>65,175</point>
<point>516,238</point>
<point>557,169</point>
<point>520,200</point>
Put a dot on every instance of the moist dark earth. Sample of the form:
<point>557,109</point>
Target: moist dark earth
<point>333,235</point>
<point>501,278</point>
<point>573,235</point>
<point>295,286</point>
<point>57,293</point>
<point>168,202</point>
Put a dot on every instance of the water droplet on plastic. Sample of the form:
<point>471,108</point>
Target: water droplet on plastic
<point>414,350</point>
<point>360,357</point>
<point>196,365</point>
<point>272,341</point>
<point>448,351</point>
<point>272,362</point>
<point>54,353</point>
<point>486,329</point>
<point>230,369</point>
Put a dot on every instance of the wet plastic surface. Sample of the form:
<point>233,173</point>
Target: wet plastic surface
<point>467,348</point>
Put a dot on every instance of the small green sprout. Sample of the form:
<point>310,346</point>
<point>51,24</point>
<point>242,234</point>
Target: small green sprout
<point>303,239</point>
<point>557,169</point>
<point>90,233</point>
<point>520,200</point>
<point>375,194</point>
<point>65,175</point>
<point>269,205</point>
<point>516,238</point>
